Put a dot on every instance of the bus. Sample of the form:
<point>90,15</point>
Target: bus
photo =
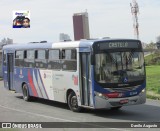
<point>95,74</point>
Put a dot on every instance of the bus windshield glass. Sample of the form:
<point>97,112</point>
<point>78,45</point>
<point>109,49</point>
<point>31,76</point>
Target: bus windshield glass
<point>119,67</point>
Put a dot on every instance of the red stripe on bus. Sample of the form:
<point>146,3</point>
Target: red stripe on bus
<point>31,84</point>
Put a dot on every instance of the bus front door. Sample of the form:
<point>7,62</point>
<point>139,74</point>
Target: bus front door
<point>85,79</point>
<point>10,71</point>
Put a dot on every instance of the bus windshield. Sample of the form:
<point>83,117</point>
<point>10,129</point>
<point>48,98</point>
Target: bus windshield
<point>119,67</point>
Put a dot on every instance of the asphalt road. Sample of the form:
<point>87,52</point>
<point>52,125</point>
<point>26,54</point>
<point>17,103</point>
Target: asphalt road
<point>14,109</point>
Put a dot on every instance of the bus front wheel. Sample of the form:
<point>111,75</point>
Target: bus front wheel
<point>25,91</point>
<point>73,103</point>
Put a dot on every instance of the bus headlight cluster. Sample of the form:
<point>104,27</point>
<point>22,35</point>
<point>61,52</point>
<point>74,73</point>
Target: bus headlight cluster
<point>101,95</point>
<point>143,90</point>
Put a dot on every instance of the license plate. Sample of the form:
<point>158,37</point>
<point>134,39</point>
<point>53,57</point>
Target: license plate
<point>124,101</point>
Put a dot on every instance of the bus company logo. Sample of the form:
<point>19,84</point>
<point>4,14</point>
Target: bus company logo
<point>75,79</point>
<point>15,71</point>
<point>21,72</point>
<point>46,75</point>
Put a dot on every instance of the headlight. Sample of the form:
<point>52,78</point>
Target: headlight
<point>143,90</point>
<point>101,95</point>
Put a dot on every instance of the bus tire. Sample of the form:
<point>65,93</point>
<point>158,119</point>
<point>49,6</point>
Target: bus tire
<point>73,103</point>
<point>25,91</point>
<point>116,108</point>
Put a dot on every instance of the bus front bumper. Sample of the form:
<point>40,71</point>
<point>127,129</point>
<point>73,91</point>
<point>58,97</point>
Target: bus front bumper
<point>101,103</point>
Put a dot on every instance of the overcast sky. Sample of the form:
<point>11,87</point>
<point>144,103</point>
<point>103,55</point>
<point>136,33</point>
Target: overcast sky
<point>107,18</point>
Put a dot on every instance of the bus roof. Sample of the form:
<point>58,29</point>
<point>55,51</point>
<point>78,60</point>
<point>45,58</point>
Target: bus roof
<point>68,44</point>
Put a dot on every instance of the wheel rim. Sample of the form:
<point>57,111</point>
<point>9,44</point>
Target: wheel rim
<point>74,102</point>
<point>25,92</point>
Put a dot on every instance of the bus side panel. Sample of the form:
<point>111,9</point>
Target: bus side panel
<point>44,78</point>
<point>33,78</point>
<point>29,81</point>
<point>19,78</point>
<point>62,81</point>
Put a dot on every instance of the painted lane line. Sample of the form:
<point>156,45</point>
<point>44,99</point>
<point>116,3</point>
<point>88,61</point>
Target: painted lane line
<point>36,114</point>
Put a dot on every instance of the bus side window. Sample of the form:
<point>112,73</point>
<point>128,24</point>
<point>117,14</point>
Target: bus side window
<point>54,59</point>
<point>69,60</point>
<point>29,61</point>
<point>19,58</point>
<point>40,59</point>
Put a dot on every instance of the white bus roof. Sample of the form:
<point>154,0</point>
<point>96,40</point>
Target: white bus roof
<point>68,44</point>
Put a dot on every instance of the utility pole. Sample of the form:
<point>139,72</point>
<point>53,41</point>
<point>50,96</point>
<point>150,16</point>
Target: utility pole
<point>135,11</point>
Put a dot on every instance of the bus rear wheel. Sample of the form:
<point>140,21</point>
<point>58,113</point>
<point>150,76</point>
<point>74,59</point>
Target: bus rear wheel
<point>25,91</point>
<point>73,103</point>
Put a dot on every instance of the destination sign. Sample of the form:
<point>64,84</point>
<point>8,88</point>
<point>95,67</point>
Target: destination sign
<point>118,44</point>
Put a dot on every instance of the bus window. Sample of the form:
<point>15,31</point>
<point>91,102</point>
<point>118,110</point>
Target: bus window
<point>54,60</point>
<point>19,56</point>
<point>69,61</point>
<point>41,54</point>
<point>30,54</point>
<point>40,61</point>
<point>29,61</point>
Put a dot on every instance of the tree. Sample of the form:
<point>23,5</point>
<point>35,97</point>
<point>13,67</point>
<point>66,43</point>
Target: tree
<point>158,42</point>
<point>151,47</point>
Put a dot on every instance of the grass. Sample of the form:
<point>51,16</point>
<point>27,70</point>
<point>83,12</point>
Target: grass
<point>153,81</point>
<point>153,75</point>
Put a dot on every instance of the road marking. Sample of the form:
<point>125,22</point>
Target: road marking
<point>56,118</point>
<point>36,114</point>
